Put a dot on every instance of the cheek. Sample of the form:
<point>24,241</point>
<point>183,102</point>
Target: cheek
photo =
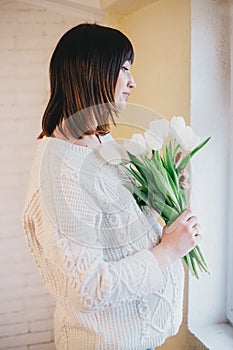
<point>119,85</point>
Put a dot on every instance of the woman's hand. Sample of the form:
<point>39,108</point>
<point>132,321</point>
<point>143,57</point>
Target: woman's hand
<point>178,239</point>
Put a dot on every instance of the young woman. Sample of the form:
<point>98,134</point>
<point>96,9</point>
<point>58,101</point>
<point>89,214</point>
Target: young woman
<point>116,279</point>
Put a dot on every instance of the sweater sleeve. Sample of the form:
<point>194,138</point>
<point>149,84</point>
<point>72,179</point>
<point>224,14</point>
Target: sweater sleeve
<point>77,252</point>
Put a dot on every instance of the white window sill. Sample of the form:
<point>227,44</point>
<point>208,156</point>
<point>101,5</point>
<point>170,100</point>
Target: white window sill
<point>215,337</point>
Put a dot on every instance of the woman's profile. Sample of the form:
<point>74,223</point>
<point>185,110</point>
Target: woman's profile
<point>115,274</point>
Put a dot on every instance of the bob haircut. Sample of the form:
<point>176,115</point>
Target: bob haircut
<point>83,71</point>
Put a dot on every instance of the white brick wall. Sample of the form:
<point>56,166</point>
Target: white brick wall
<point>28,35</point>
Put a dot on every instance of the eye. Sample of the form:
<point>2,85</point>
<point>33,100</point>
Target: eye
<point>124,68</point>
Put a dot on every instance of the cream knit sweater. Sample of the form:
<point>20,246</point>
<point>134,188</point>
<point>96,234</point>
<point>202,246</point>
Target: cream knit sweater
<point>91,242</point>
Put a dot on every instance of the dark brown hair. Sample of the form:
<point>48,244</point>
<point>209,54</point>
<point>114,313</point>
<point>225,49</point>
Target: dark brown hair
<point>84,68</point>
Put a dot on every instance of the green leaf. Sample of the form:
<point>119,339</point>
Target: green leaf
<point>198,260</point>
<point>164,186</point>
<point>169,214</point>
<point>140,194</point>
<point>183,163</point>
<point>176,149</point>
<point>159,188</point>
<point>184,200</point>
<point>174,186</point>
<point>144,169</point>
<point>136,175</point>
<point>191,266</point>
<point>195,150</point>
<point>154,195</point>
<point>186,159</point>
<point>170,169</point>
<point>199,256</point>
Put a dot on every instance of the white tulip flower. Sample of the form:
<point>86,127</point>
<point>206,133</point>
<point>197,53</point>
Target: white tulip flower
<point>136,145</point>
<point>183,134</point>
<point>113,153</point>
<point>156,134</point>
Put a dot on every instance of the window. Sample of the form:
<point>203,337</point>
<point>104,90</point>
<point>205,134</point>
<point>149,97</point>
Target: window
<point>209,319</point>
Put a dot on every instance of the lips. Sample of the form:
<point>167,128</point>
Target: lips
<point>126,94</point>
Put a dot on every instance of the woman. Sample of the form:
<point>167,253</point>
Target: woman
<point>117,281</point>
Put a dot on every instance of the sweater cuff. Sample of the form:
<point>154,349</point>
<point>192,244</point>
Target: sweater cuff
<point>154,273</point>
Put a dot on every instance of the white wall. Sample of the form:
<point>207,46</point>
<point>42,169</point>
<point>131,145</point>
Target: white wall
<point>210,115</point>
<point>28,35</point>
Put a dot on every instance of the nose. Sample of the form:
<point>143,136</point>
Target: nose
<point>131,83</point>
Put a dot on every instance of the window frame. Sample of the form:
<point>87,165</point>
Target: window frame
<point>229,290</point>
<point>229,297</point>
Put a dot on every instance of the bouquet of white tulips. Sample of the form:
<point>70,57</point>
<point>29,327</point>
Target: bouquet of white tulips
<point>158,162</point>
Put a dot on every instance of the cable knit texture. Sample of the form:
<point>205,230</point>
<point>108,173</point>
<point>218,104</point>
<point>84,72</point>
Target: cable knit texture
<point>91,242</point>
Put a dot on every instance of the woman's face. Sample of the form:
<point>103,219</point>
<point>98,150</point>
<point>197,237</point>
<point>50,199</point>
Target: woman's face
<point>125,83</point>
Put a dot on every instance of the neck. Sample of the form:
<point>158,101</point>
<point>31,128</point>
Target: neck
<point>90,141</point>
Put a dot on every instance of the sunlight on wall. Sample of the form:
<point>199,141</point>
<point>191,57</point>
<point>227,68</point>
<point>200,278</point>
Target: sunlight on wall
<point>160,33</point>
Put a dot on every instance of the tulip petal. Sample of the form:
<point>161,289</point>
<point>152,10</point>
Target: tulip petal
<point>136,145</point>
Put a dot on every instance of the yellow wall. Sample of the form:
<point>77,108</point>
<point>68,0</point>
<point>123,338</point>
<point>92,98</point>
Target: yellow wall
<point>160,33</point>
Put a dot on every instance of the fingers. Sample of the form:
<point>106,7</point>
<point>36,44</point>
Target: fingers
<point>193,221</point>
<point>187,222</point>
<point>183,218</point>
<point>185,234</point>
<point>198,238</point>
<point>186,215</point>
<point>196,229</point>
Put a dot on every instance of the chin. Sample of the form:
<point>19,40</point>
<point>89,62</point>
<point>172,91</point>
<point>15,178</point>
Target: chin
<point>120,105</point>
